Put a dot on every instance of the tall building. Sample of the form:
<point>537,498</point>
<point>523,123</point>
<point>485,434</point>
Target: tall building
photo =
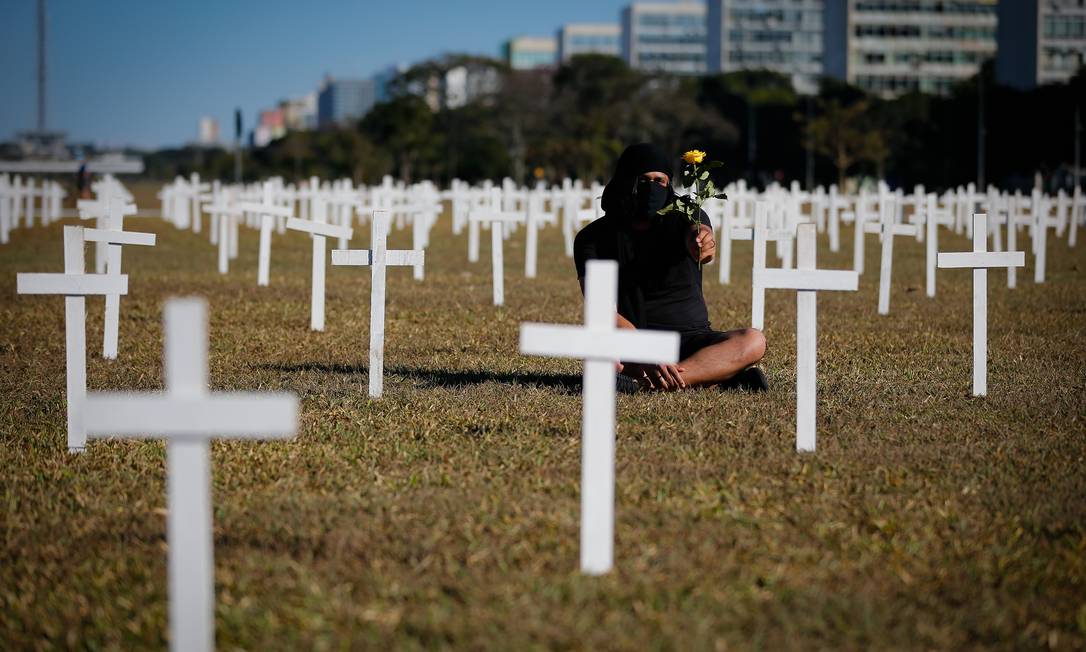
<point>343,100</point>
<point>467,83</point>
<point>208,132</point>
<point>589,38</point>
<point>889,47</point>
<point>784,36</point>
<point>665,36</point>
<point>530,52</point>
<point>300,113</point>
<point>268,128</point>
<point>1040,41</point>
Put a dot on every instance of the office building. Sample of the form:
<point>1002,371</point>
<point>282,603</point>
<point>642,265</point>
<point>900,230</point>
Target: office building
<point>890,47</point>
<point>530,52</point>
<point>784,36</point>
<point>589,38</point>
<point>300,113</point>
<point>208,132</point>
<point>1040,41</point>
<point>341,101</point>
<point>665,37</point>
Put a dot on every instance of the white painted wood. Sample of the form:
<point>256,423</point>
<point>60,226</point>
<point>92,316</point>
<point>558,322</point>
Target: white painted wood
<point>887,228</point>
<point>319,230</point>
<point>806,279</point>
<point>807,339</point>
<point>498,220</point>
<point>75,286</point>
<point>761,234</point>
<point>794,279</point>
<point>980,260</point>
<point>119,237</point>
<point>71,284</point>
<point>188,416</point>
<point>378,258</point>
<point>931,226</point>
<point>601,345</point>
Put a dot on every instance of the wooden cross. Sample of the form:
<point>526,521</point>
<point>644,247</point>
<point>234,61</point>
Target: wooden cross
<point>887,227</point>
<point>266,209</point>
<point>378,258</point>
<point>806,279</point>
<point>76,285</point>
<point>223,218</point>
<point>761,234</point>
<point>196,194</point>
<point>320,231</point>
<point>187,416</point>
<point>497,220</point>
<point>601,345</point>
<point>979,260</point>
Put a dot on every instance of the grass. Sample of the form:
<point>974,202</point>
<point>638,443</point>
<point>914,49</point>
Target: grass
<point>445,515</point>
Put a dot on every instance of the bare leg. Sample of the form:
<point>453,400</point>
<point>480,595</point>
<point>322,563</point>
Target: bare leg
<point>719,362</point>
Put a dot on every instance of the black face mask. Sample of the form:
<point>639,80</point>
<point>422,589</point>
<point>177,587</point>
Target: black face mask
<point>649,197</point>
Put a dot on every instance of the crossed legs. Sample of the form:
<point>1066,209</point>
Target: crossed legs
<point>732,352</point>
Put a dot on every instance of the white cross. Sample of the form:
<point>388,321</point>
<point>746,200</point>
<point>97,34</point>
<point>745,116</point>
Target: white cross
<point>378,258</point>
<point>933,217</point>
<point>761,235</point>
<point>76,286</point>
<point>196,192</point>
<point>497,220</point>
<point>111,218</point>
<point>266,209</point>
<point>601,345</point>
<point>320,231</point>
<point>887,228</point>
<point>108,212</point>
<point>979,260</point>
<point>806,279</point>
<point>187,416</point>
<point>223,218</point>
<point>7,198</point>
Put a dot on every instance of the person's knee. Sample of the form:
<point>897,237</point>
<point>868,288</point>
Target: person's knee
<point>753,345</point>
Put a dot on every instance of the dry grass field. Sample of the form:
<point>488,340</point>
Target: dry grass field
<point>445,515</point>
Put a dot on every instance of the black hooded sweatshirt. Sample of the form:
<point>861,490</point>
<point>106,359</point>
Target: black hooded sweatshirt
<point>659,283</point>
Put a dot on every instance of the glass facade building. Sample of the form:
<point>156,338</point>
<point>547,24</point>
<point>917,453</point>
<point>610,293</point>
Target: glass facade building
<point>890,47</point>
<point>665,37</point>
<point>344,100</point>
<point>1040,41</point>
<point>784,36</point>
<point>587,38</point>
<point>530,52</point>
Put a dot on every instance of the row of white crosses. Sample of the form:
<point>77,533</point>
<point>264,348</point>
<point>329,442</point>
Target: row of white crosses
<point>18,200</point>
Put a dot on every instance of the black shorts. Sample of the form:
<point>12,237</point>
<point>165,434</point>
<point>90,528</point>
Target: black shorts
<point>693,341</point>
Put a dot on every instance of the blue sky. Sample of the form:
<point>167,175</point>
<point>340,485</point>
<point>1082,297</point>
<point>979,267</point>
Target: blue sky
<point>142,72</point>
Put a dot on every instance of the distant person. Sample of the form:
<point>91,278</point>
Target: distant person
<point>659,280</point>
<point>83,182</point>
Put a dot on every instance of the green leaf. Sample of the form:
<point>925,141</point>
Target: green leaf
<point>712,165</point>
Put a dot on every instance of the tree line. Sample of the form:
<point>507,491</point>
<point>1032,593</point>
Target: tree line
<point>575,120</point>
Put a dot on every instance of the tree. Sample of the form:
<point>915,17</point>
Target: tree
<point>403,127</point>
<point>843,133</point>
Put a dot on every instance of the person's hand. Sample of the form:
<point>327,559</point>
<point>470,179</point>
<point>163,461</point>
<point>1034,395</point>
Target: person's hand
<point>703,244</point>
<point>659,376</point>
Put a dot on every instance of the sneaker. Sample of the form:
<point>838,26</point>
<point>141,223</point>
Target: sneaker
<point>626,385</point>
<point>752,379</point>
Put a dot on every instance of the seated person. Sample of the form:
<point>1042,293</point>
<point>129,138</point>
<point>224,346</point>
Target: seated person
<point>659,280</point>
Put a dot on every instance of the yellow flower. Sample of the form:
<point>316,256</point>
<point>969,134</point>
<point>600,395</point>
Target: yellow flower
<point>694,156</point>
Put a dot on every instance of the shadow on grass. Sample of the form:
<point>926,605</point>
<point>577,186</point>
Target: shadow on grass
<point>448,378</point>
